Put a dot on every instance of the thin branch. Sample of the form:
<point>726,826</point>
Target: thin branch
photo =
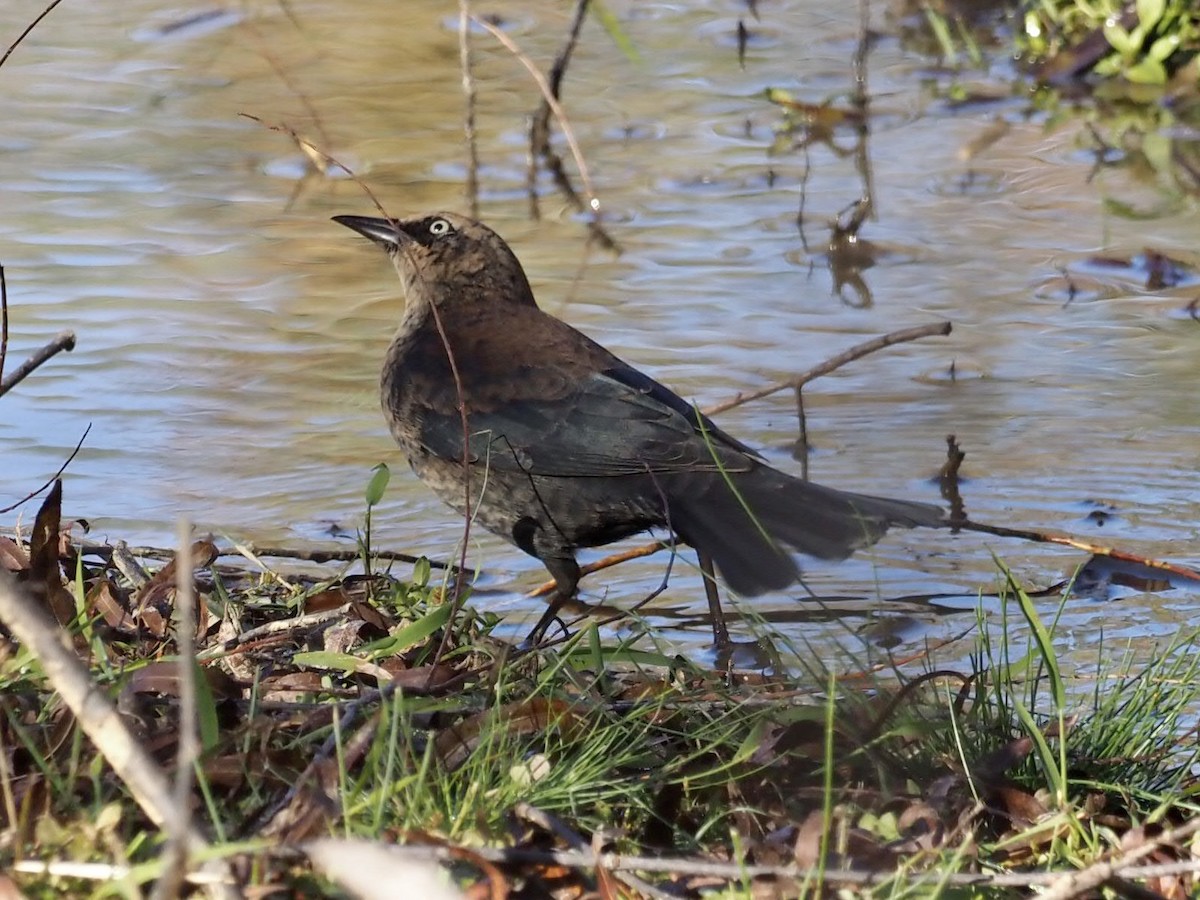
<point>53,478</point>
<point>539,128</point>
<point>311,149</point>
<point>95,713</point>
<point>187,751</point>
<point>105,551</point>
<point>586,859</point>
<point>836,362</point>
<point>28,28</point>
<point>468,84</point>
<point>64,341</point>
<point>3,321</point>
<point>548,95</point>
<point>1088,879</point>
<point>460,393</point>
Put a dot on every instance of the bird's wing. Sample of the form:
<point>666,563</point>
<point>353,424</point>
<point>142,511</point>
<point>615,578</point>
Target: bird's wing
<point>582,414</point>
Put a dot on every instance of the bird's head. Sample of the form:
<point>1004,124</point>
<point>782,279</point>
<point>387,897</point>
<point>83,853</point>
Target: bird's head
<point>447,259</point>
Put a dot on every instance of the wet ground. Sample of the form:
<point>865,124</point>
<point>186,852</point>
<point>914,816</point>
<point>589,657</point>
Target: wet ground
<point>230,335</point>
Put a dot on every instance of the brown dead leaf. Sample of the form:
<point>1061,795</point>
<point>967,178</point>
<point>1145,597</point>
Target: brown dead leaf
<point>104,599</point>
<point>155,600</point>
<point>422,679</point>
<point>13,557</point>
<point>921,827</point>
<point>1021,807</point>
<point>164,678</point>
<point>322,601</point>
<point>312,808</point>
<point>9,889</point>
<point>44,575</point>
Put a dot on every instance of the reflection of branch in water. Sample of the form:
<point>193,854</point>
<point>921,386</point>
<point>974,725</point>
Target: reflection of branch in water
<point>948,480</point>
<point>539,124</point>
<point>592,206</point>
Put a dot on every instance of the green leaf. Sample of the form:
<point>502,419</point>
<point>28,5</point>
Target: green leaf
<point>1041,637</point>
<point>380,477</point>
<point>608,21</point>
<point>1147,71</point>
<point>1162,49</point>
<point>1149,12</point>
<point>206,710</point>
<point>421,572</point>
<point>325,659</point>
<point>1119,39</point>
<point>410,635</point>
<point>779,95</point>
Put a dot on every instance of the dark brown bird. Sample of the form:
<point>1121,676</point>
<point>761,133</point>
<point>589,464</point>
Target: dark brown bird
<point>566,446</point>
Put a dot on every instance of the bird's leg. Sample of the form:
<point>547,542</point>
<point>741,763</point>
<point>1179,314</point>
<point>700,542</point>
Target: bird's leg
<point>720,632</point>
<point>565,572</point>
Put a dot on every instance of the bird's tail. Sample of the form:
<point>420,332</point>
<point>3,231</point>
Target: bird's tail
<point>742,524</point>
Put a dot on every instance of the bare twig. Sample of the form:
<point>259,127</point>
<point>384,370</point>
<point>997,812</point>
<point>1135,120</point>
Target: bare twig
<point>28,28</point>
<point>95,713</point>
<point>539,125</point>
<point>560,114</point>
<point>456,600</point>
<point>856,352</point>
<point>1075,884</point>
<point>3,321</point>
<point>468,83</point>
<point>312,150</point>
<point>737,870</point>
<point>64,341</point>
<point>1049,537</point>
<point>187,751</point>
<point>554,825</point>
<point>106,551</point>
<point>606,563</point>
<point>53,478</point>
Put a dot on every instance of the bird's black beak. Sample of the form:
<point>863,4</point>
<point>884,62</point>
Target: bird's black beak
<point>383,232</point>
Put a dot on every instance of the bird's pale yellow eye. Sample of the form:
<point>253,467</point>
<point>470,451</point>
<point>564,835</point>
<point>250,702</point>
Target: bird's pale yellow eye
<point>438,227</point>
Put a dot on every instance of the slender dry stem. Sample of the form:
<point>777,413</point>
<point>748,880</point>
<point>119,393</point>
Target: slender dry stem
<point>63,341</point>
<point>468,84</point>
<point>548,96</point>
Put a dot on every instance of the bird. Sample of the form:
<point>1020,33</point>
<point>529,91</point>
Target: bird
<point>547,439</point>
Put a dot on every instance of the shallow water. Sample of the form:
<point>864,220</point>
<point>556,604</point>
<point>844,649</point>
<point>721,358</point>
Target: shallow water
<point>230,334</point>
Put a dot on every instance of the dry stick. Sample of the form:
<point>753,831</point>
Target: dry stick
<point>578,859</point>
<point>605,563</point>
<point>310,148</point>
<point>1049,537</point>
<point>97,716</point>
<point>53,478</point>
<point>291,85</point>
<point>3,321</point>
<point>28,28</point>
<point>64,341</point>
<point>187,751</point>
<point>105,551</point>
<point>456,600</point>
<point>561,830</point>
<point>1083,882</point>
<point>539,125</point>
<point>836,362</point>
<point>555,106</point>
<point>468,84</point>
